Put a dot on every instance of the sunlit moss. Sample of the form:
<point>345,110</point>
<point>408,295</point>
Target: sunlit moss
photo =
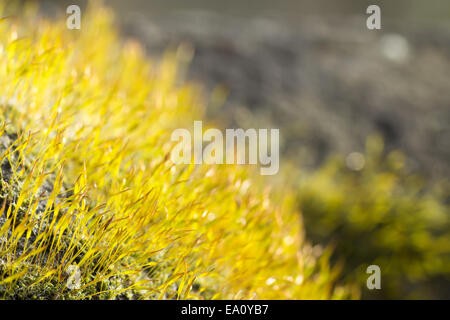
<point>91,189</point>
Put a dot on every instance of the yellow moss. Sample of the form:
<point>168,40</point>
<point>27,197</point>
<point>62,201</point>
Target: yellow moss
<point>95,115</point>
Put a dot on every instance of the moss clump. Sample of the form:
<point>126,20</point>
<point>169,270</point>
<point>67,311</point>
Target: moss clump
<point>382,214</point>
<point>93,113</point>
<point>23,278</point>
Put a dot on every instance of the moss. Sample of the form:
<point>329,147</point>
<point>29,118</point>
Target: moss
<point>94,202</point>
<point>30,285</point>
<point>384,215</point>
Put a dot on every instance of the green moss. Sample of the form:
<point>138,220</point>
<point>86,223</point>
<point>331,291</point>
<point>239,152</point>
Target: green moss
<point>383,215</point>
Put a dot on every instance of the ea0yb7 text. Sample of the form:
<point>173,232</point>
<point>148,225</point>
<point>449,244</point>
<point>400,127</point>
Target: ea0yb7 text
<point>243,309</point>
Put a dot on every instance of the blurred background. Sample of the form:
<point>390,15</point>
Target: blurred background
<point>363,115</point>
<point>314,69</point>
